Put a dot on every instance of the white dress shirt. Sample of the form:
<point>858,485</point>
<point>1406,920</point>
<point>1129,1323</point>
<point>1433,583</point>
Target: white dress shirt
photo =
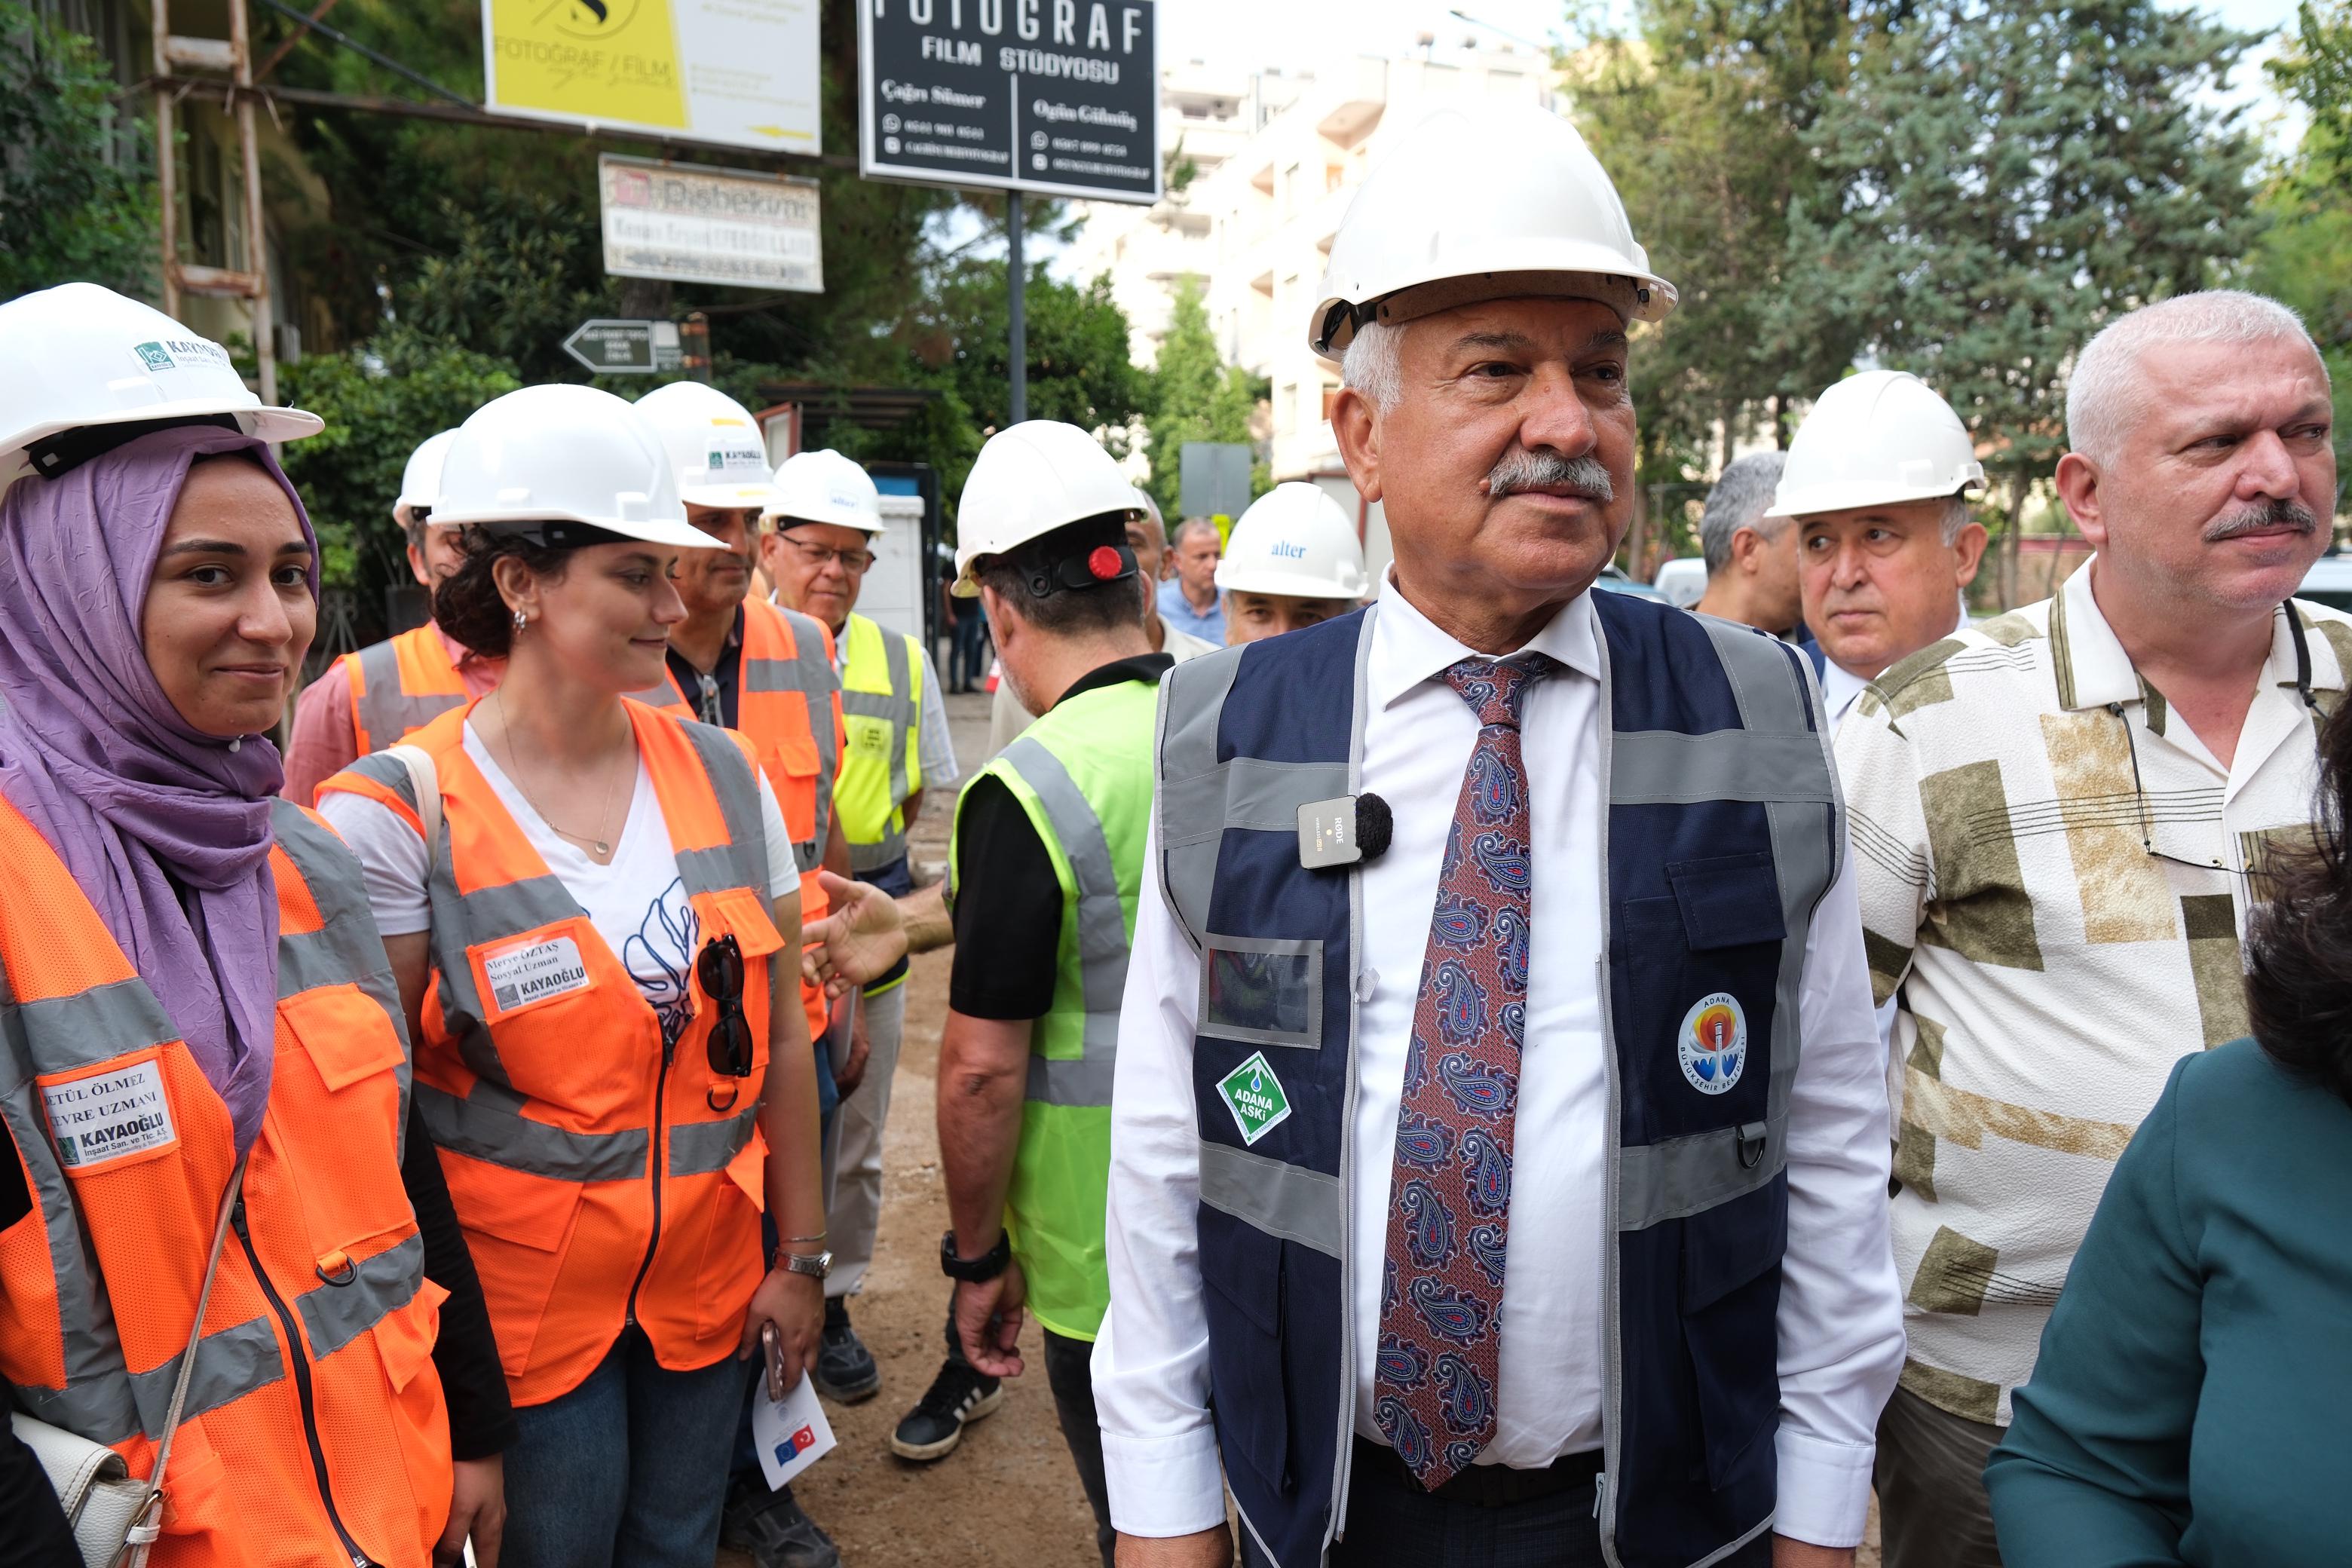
<point>1839,1316</point>
<point>1839,691</point>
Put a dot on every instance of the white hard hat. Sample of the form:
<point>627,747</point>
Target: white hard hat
<point>1030,479</point>
<point>1484,203</point>
<point>420,481</point>
<point>1876,439</point>
<point>80,356</point>
<point>823,486</point>
<point>714,444</point>
<point>1295,540</point>
<point>564,453</point>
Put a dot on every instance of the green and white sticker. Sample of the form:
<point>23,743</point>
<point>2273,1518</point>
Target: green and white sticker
<point>1254,1096</point>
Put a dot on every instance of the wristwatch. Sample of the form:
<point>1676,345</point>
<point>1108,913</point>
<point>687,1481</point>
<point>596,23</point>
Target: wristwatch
<point>974,1270</point>
<point>818,1264</point>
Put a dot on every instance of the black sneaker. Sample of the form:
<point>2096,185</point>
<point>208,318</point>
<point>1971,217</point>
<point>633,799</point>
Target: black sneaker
<point>845,1372</point>
<point>771,1528</point>
<point>958,1396</point>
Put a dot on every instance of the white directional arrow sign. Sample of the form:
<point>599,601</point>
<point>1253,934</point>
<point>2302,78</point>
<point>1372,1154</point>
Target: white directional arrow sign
<point>625,348</point>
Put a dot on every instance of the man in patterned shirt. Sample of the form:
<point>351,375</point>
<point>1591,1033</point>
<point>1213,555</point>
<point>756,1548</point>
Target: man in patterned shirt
<point>2061,819</point>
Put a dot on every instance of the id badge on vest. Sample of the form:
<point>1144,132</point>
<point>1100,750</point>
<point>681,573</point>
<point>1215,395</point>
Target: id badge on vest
<point>516,974</point>
<point>105,1116</point>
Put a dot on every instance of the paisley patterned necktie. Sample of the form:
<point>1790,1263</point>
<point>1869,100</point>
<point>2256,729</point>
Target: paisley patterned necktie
<point>1434,1384</point>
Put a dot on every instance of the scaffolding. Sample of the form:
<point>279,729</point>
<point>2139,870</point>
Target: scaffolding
<point>231,58</point>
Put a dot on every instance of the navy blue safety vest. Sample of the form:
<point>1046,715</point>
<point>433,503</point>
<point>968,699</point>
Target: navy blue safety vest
<point>1724,831</point>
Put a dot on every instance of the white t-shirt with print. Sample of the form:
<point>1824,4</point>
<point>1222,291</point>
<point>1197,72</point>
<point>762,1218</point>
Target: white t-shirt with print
<point>637,903</point>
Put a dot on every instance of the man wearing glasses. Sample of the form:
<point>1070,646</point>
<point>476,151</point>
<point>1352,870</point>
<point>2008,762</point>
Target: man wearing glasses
<point>825,516</point>
<point>2061,819</point>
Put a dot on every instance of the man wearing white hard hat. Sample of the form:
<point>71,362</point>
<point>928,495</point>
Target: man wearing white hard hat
<point>1499,1144</point>
<point>1147,535</point>
<point>597,895</point>
<point>826,517</point>
<point>767,673</point>
<point>1877,482</point>
<point>384,693</point>
<point>1294,560</point>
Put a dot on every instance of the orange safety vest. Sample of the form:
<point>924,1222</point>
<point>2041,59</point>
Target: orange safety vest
<point>315,1430</point>
<point>399,685</point>
<point>600,1179</point>
<point>785,673</point>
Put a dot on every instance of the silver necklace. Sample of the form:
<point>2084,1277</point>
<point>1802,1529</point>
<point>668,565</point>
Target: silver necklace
<point>598,847</point>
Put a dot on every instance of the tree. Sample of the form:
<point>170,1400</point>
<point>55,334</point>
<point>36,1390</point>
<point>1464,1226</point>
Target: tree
<point>1699,116</point>
<point>1198,397</point>
<point>2305,255</point>
<point>379,401</point>
<point>74,202</point>
<point>2007,179</point>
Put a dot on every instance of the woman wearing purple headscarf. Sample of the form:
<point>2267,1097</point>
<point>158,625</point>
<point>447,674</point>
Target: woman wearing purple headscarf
<point>198,1026</point>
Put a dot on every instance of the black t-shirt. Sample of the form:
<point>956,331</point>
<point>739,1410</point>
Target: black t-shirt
<point>1008,913</point>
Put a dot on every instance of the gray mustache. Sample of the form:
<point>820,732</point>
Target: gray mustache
<point>1522,470</point>
<point>2255,520</point>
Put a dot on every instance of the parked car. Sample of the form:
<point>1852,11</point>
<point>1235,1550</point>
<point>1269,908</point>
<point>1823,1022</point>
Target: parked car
<point>1613,579</point>
<point>2329,582</point>
<point>1681,581</point>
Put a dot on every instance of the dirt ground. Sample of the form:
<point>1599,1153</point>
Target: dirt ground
<point>1007,1498</point>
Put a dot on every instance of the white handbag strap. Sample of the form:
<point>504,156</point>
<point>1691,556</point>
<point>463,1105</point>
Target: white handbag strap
<point>149,1525</point>
<point>424,779</point>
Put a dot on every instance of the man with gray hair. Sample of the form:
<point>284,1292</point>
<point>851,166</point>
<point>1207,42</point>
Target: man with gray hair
<point>2062,820</point>
<point>1752,559</point>
<point>1432,1251</point>
<point>1189,599</point>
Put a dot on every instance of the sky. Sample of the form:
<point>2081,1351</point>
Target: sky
<point>1297,33</point>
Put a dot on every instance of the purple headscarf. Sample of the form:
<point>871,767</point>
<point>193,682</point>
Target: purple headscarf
<point>129,794</point>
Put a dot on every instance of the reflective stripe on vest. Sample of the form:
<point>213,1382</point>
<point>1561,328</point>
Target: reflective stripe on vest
<point>1098,921</point>
<point>1082,773</point>
<point>325,1164</point>
<point>879,688</point>
<point>1721,788</point>
<point>600,1173</point>
<point>777,660</point>
<point>401,685</point>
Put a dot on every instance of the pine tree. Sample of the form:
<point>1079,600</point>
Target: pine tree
<point>1199,397</point>
<point>2008,179</point>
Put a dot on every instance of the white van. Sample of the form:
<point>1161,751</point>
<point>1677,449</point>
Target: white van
<point>2329,582</point>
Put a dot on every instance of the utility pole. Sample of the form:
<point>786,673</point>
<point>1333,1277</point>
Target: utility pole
<point>1016,278</point>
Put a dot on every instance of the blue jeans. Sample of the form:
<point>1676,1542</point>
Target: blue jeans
<point>628,1470</point>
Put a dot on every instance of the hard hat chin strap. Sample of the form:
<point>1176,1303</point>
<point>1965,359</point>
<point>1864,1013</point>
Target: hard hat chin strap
<point>69,449</point>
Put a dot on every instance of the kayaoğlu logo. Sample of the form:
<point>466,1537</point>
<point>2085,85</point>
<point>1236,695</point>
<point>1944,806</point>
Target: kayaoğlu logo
<point>1713,1042</point>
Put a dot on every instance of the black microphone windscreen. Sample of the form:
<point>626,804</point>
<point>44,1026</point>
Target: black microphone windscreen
<point>1375,826</point>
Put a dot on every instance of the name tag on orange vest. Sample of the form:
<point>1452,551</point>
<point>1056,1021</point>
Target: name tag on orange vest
<point>109,1115</point>
<point>536,969</point>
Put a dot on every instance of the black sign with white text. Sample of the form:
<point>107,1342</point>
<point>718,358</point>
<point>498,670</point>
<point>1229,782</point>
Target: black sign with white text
<point>1060,96</point>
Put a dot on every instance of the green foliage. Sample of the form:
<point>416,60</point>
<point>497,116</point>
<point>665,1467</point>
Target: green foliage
<point>1699,116</point>
<point>1198,397</point>
<point>68,211</point>
<point>2007,179</point>
<point>2305,255</point>
<point>379,401</point>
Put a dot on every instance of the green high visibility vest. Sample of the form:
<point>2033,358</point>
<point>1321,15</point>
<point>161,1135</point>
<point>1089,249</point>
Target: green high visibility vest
<point>882,708</point>
<point>1083,774</point>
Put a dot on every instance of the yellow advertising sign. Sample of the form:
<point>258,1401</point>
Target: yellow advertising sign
<point>742,73</point>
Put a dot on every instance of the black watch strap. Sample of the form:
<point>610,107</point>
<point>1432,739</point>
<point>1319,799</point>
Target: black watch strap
<point>974,1270</point>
